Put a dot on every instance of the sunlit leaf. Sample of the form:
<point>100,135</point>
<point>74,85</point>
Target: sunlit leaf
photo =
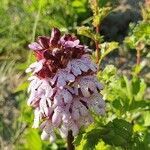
<point>128,88</point>
<point>86,31</point>
<point>119,133</point>
<point>106,48</point>
<point>33,140</point>
<point>146,116</point>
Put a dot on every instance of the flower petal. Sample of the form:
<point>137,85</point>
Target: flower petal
<point>44,41</point>
<point>55,36</point>
<point>35,46</point>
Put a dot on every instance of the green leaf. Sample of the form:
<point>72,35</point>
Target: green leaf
<point>118,133</point>
<point>106,48</point>
<point>146,116</point>
<point>128,88</point>
<point>141,92</point>
<point>79,5</point>
<point>102,146</point>
<point>78,139</point>
<point>103,12</point>
<point>109,71</point>
<point>117,104</point>
<point>92,139</point>
<point>130,42</point>
<point>33,140</point>
<point>22,87</point>
<point>143,104</point>
<point>136,85</point>
<point>21,66</point>
<point>86,31</point>
<point>81,146</point>
<point>124,126</point>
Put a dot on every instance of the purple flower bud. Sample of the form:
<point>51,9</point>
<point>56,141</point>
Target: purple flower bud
<point>44,41</point>
<point>55,36</point>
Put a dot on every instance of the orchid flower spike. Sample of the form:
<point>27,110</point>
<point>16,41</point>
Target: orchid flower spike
<point>63,86</point>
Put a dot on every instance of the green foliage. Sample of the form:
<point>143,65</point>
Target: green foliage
<point>126,124</point>
<point>139,36</point>
<point>117,133</point>
<point>140,33</point>
<point>127,128</point>
<point>122,92</point>
<point>33,140</point>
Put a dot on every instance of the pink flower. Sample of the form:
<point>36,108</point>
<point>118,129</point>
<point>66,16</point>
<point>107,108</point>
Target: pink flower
<point>63,86</point>
<point>35,67</point>
<point>62,77</point>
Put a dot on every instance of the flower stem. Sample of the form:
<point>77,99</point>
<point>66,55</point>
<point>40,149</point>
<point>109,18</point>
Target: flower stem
<point>139,47</point>
<point>138,57</point>
<point>70,139</point>
<point>97,46</point>
<point>97,29</point>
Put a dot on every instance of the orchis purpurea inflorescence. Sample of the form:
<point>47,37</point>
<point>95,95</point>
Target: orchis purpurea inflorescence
<point>63,86</point>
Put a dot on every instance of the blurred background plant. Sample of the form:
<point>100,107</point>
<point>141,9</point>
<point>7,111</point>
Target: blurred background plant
<point>121,32</point>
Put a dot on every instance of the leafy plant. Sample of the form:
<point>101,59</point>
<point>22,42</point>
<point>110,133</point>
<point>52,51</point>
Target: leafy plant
<point>126,123</point>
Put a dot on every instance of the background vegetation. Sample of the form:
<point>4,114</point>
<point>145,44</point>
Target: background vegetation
<point>124,42</point>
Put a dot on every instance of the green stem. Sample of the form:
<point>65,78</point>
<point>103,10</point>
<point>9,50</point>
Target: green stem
<point>97,47</point>
<point>97,29</point>
<point>138,57</point>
